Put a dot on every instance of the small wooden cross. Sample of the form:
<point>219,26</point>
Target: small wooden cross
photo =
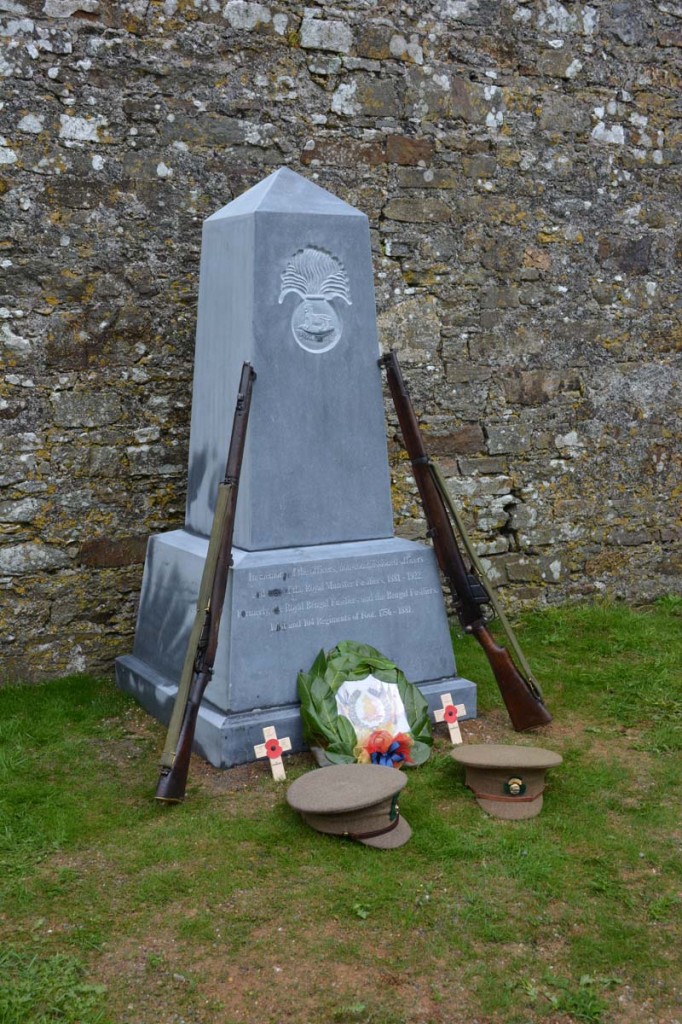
<point>273,748</point>
<point>450,713</point>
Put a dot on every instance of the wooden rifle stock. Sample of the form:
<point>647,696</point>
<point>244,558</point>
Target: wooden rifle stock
<point>520,693</point>
<point>203,642</point>
<point>526,709</point>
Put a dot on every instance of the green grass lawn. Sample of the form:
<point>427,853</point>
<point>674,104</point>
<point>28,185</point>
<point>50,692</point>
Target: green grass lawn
<point>115,908</point>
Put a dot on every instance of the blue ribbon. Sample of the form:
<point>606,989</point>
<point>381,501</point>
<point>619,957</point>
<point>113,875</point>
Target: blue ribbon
<point>390,757</point>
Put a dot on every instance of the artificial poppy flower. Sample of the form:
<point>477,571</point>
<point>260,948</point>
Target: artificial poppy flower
<point>379,741</point>
<point>450,714</point>
<point>273,749</point>
<point>388,750</point>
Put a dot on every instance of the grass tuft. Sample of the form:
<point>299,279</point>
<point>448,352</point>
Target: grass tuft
<point>47,990</point>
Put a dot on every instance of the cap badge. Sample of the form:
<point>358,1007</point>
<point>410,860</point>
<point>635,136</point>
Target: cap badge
<point>515,787</point>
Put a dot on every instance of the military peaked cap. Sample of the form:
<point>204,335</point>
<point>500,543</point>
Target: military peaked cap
<point>357,801</point>
<point>507,781</point>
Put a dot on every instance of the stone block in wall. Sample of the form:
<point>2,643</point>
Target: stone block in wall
<point>14,469</point>
<point>335,153</point>
<point>247,15</point>
<point>417,211</point>
<point>500,297</point>
<point>445,96</point>
<point>529,569</point>
<point>511,438</point>
<point>523,516</point>
<point>76,193</point>
<point>469,439</point>
<point>498,545</point>
<point>537,387</point>
<point>468,400</point>
<point>105,461</point>
<point>632,537</point>
<point>502,256</point>
<point>631,256</point>
<point>155,460</point>
<point>412,328</point>
<point>206,129</point>
<point>564,117</point>
<point>483,465</point>
<point>321,34</point>
<point>109,552</point>
<point>626,22</point>
<point>373,40</point>
<point>85,409</point>
<point>31,557</point>
<point>481,489</point>
<point>464,371</point>
<point>495,515</point>
<point>479,166</point>
<point>367,97</point>
<point>431,177</point>
<point>23,510</point>
<point>406,150</point>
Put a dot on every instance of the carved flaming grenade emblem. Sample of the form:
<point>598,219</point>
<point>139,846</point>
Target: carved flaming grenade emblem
<point>318,278</point>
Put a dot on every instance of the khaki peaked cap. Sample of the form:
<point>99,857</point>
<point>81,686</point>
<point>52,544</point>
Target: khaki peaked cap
<point>357,801</point>
<point>507,781</point>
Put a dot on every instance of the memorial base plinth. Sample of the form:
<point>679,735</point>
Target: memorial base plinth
<point>282,607</point>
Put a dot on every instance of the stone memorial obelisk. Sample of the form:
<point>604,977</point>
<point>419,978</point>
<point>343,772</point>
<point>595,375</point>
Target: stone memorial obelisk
<point>286,283</point>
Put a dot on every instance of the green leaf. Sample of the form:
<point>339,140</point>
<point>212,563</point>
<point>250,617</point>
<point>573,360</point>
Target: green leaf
<point>339,758</point>
<point>420,752</point>
<point>347,733</point>
<point>319,666</point>
<point>313,731</point>
<point>303,684</point>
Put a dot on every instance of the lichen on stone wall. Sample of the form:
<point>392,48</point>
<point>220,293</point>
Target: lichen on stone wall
<point>519,165</point>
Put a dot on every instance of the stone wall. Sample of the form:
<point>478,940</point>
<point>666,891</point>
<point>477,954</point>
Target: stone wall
<point>519,163</point>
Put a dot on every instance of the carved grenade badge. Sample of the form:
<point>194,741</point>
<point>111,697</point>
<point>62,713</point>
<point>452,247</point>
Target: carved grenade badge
<point>318,278</point>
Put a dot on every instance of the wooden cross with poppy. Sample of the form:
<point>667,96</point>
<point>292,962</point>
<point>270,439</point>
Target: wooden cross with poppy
<point>273,748</point>
<point>449,714</point>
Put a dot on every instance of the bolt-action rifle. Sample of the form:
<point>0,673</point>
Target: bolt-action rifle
<point>203,642</point>
<point>472,594</point>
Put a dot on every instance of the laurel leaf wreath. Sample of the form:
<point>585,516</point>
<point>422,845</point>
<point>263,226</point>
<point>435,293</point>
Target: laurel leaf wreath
<point>324,727</point>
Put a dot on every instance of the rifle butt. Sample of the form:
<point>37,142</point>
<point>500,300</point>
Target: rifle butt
<point>526,710</point>
<point>172,782</point>
<point>171,786</point>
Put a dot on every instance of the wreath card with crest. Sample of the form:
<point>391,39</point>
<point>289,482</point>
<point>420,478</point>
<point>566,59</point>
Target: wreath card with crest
<point>357,706</point>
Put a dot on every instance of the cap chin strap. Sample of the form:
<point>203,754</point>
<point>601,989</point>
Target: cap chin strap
<point>507,799</point>
<point>377,832</point>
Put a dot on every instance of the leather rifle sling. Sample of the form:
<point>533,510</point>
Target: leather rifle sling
<point>476,563</point>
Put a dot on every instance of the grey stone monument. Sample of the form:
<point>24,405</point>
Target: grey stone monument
<point>286,283</point>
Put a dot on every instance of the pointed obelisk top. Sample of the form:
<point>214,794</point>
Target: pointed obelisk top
<point>284,191</point>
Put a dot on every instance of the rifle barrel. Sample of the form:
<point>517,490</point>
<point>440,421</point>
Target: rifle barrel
<point>203,646</point>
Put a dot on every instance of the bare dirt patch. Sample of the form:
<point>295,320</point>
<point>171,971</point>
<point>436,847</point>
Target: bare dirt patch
<point>273,981</point>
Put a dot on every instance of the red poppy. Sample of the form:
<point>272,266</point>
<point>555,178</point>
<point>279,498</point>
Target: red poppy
<point>273,749</point>
<point>379,742</point>
<point>450,713</point>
